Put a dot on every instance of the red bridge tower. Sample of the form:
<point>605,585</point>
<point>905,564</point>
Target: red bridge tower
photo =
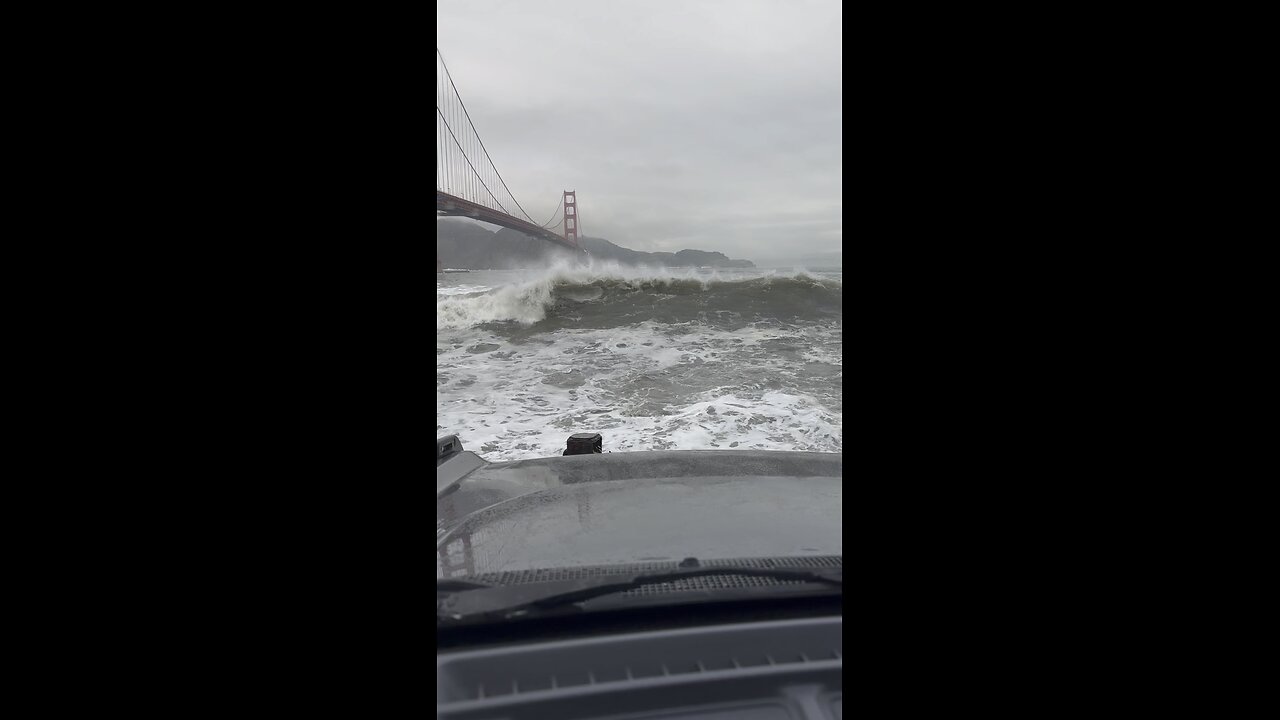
<point>571,232</point>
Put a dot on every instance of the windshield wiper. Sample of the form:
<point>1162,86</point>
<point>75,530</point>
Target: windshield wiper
<point>504,601</point>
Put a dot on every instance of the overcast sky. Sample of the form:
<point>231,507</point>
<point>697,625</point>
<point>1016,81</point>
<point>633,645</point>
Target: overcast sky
<point>703,124</point>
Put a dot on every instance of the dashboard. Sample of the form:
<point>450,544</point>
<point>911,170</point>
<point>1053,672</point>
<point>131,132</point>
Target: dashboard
<point>768,670</point>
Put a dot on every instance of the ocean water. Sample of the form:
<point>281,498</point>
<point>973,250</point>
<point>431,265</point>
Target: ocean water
<point>652,359</point>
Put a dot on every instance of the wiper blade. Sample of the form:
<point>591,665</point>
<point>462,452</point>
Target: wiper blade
<point>509,600</point>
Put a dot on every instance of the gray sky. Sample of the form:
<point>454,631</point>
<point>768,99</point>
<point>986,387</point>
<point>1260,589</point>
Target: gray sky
<point>704,124</point>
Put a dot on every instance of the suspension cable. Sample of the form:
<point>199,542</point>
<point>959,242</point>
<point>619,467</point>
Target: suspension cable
<point>464,157</point>
<point>477,134</point>
<point>547,224</point>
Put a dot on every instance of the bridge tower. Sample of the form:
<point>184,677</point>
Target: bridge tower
<point>571,216</point>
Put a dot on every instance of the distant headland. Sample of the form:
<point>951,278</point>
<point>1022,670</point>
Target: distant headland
<point>467,245</point>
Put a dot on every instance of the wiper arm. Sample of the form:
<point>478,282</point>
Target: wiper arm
<point>509,600</point>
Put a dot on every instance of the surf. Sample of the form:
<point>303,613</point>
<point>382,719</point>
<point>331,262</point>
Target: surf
<point>619,295</point>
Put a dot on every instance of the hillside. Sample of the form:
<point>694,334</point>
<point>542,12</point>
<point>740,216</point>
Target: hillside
<point>474,247</point>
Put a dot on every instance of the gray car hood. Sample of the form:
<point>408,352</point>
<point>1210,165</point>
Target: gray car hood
<point>635,507</point>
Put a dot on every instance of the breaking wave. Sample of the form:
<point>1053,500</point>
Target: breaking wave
<point>601,298</point>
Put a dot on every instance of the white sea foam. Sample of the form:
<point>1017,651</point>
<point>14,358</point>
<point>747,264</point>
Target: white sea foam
<point>461,289</point>
<point>511,401</point>
<point>525,303</point>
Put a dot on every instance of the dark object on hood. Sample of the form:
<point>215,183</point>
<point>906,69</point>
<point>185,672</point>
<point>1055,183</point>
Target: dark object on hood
<point>447,447</point>
<point>584,444</point>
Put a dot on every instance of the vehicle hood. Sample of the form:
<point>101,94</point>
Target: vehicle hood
<point>636,507</point>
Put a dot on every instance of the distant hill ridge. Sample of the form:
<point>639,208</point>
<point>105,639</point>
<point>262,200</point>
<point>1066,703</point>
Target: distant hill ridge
<point>470,246</point>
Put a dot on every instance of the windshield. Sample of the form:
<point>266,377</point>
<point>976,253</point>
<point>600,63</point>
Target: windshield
<point>638,238</point>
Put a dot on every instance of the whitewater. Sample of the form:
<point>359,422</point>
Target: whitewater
<point>651,358</point>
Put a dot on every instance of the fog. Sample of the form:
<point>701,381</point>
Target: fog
<point>708,125</point>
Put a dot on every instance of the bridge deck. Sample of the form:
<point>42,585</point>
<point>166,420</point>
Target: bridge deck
<point>447,204</point>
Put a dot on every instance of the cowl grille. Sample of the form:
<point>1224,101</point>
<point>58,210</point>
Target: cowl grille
<point>709,582</point>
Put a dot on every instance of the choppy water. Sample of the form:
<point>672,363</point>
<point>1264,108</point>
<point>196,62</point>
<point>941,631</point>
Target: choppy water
<point>653,359</point>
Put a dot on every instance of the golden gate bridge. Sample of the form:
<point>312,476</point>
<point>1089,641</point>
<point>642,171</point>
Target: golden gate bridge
<point>468,184</point>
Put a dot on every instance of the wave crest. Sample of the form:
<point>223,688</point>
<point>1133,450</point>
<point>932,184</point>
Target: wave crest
<point>605,296</point>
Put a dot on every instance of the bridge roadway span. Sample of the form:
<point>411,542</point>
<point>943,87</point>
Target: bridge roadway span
<point>451,205</point>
